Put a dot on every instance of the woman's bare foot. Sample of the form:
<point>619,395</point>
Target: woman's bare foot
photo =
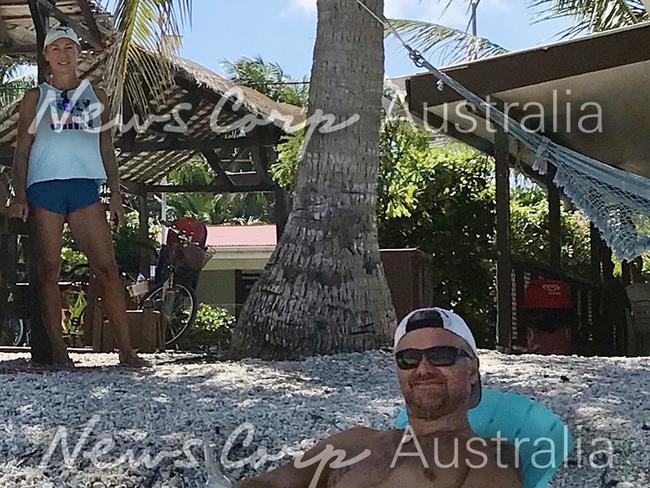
<point>132,360</point>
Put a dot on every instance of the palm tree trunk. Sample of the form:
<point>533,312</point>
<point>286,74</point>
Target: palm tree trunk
<point>323,290</point>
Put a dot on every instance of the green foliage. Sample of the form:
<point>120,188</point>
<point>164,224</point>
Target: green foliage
<point>128,244</point>
<point>211,329</point>
<point>452,217</point>
<point>585,16</point>
<point>71,256</point>
<point>269,79</point>
<point>285,170</point>
<point>227,208</point>
<point>530,231</point>
<point>126,241</point>
<point>441,199</point>
<point>13,86</point>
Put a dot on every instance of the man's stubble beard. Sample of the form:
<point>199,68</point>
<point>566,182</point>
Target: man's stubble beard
<point>431,407</point>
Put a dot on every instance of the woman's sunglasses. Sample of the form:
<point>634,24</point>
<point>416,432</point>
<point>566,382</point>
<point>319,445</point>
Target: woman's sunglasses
<point>67,104</point>
<point>436,356</point>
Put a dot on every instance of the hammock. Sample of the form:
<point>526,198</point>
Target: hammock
<point>617,202</point>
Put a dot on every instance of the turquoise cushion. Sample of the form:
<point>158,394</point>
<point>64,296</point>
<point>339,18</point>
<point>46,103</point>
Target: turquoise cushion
<point>524,421</point>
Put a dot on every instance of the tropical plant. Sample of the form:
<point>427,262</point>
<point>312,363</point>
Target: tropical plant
<point>212,328</point>
<point>269,79</point>
<point>440,199</point>
<point>226,208</point>
<point>12,85</point>
<point>451,44</point>
<point>147,32</point>
<point>591,15</point>
<point>324,290</point>
<point>127,243</point>
<point>587,16</point>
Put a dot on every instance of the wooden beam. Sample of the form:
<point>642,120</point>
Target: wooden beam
<point>143,233</point>
<point>595,253</point>
<point>89,18</point>
<point>190,145</point>
<point>532,67</point>
<point>280,212</point>
<point>555,219</point>
<point>39,17</point>
<point>67,20</point>
<point>262,162</point>
<point>239,187</point>
<point>504,252</point>
<point>41,347</point>
<point>221,177</point>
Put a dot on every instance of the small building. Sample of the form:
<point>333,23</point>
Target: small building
<point>240,253</point>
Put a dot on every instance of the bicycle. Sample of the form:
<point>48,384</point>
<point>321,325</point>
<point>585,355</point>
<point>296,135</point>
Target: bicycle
<point>14,329</point>
<point>174,300</point>
<point>75,300</point>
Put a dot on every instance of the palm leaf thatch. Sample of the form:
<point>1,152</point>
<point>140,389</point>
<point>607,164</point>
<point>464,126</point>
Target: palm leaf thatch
<point>452,44</point>
<point>591,15</point>
<point>144,27</point>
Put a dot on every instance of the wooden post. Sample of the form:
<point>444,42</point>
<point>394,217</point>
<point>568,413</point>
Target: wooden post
<point>143,233</point>
<point>595,244</point>
<point>41,23</point>
<point>280,211</point>
<point>504,257</point>
<point>41,347</point>
<point>555,219</point>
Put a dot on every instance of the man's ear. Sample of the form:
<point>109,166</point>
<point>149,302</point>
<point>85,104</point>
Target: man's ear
<point>474,370</point>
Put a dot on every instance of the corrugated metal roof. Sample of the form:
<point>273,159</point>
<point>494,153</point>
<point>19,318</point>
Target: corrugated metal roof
<point>241,236</point>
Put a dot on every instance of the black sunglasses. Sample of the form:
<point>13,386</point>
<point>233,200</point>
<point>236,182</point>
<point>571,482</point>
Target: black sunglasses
<point>436,356</point>
<point>67,105</point>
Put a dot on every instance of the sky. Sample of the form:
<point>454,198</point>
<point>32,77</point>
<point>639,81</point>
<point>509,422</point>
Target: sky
<point>283,31</point>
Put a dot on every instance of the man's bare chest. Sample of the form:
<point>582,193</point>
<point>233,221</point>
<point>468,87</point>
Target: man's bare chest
<point>406,473</point>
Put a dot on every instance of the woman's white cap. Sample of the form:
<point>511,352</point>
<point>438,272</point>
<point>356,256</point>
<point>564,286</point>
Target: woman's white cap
<point>60,32</point>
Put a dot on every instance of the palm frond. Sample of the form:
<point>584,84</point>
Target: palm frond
<point>12,85</point>
<point>452,44</point>
<point>138,62</point>
<point>267,78</point>
<point>590,15</point>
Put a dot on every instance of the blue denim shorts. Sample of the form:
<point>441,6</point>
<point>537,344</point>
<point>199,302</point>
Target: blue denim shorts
<point>63,196</point>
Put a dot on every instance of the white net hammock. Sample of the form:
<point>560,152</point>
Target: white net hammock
<point>617,202</point>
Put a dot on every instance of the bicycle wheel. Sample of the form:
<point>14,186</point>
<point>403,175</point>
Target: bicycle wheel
<point>178,305</point>
<point>12,332</point>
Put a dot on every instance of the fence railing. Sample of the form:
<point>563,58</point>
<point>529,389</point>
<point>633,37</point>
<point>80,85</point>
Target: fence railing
<point>586,297</point>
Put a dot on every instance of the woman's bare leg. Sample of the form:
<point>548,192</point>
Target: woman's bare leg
<point>90,228</point>
<point>49,235</point>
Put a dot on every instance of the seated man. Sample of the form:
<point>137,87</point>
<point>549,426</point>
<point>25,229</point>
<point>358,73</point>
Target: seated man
<point>438,372</point>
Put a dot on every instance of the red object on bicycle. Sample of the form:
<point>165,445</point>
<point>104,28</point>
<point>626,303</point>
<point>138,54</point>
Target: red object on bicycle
<point>191,228</point>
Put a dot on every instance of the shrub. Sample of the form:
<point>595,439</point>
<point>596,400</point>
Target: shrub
<point>211,329</point>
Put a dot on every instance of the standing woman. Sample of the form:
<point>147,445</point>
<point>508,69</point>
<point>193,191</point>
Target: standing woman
<point>62,157</point>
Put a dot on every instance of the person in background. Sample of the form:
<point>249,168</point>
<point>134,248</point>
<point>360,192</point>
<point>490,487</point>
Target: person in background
<point>62,157</point>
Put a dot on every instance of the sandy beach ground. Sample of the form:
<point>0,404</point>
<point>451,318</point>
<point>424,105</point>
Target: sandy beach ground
<point>105,426</point>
